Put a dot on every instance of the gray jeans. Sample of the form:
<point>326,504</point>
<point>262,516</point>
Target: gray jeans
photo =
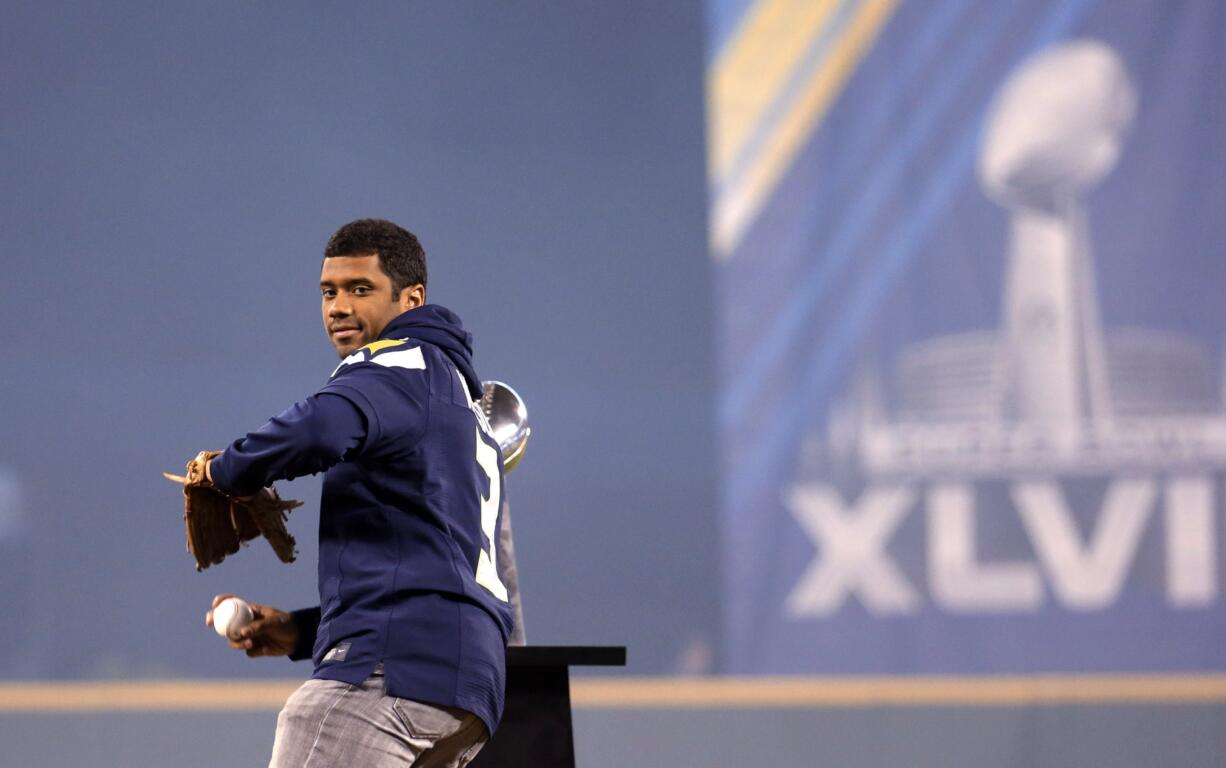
<point>328,723</point>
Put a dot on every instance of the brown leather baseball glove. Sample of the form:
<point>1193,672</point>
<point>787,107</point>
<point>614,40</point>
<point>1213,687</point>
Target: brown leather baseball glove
<point>217,524</point>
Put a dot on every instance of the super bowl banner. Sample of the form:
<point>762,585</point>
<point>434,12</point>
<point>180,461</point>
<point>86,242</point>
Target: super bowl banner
<point>972,269</point>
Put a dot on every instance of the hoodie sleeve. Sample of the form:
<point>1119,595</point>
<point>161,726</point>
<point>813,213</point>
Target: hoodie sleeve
<point>308,437</point>
<point>392,392</point>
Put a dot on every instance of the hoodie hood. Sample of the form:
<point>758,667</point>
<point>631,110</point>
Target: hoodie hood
<point>437,325</point>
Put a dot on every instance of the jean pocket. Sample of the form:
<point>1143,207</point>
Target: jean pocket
<point>426,721</point>
<point>470,754</point>
<point>317,688</point>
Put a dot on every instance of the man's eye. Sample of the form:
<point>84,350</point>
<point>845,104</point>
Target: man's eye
<point>328,294</point>
<point>361,290</point>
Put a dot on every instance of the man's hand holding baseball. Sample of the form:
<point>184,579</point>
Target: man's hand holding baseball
<point>271,633</point>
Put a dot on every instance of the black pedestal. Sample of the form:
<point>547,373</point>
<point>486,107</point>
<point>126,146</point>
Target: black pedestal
<point>536,727</point>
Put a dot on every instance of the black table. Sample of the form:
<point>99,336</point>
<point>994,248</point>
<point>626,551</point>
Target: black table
<point>536,726</point>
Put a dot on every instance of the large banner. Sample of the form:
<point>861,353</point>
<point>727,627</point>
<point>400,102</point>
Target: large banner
<point>973,305</point>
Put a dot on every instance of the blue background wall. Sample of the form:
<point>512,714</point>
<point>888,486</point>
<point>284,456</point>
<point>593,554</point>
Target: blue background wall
<point>171,174</point>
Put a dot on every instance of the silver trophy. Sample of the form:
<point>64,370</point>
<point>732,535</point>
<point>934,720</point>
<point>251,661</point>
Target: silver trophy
<point>508,418</point>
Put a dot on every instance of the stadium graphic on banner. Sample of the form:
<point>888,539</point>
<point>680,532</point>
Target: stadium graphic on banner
<point>1048,398</point>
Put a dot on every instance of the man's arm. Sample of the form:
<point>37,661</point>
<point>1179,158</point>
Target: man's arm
<point>308,437</point>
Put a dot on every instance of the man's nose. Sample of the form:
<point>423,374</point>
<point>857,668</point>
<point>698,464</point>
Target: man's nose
<point>340,307</point>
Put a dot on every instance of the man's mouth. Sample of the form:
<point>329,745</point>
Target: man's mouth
<point>344,333</point>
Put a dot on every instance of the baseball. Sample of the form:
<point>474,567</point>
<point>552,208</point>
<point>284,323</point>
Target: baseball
<point>231,615</point>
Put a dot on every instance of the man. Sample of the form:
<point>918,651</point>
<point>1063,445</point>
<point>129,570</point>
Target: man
<point>409,639</point>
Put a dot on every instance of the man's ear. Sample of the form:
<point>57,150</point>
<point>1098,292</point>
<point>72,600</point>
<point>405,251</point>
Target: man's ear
<point>412,297</point>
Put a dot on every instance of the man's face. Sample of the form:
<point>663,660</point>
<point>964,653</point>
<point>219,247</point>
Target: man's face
<point>358,302</point>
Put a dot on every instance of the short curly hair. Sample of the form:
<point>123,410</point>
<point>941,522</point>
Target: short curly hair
<point>401,256</point>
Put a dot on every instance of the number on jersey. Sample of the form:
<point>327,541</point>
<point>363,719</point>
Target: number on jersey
<point>487,569</point>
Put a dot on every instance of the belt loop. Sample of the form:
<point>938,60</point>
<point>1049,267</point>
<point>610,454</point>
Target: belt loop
<point>378,669</point>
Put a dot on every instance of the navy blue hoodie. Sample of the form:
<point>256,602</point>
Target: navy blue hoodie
<point>408,519</point>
